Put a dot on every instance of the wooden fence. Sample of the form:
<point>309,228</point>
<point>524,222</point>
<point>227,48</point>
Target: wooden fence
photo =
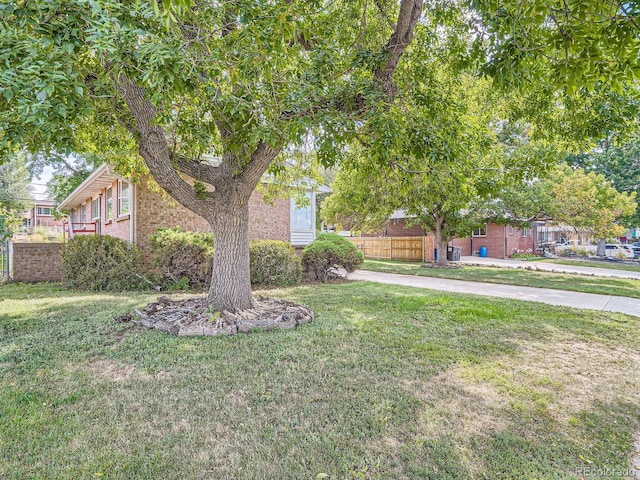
<point>413,249</point>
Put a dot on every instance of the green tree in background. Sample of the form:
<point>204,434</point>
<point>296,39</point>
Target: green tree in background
<point>15,193</point>
<point>443,157</point>
<point>620,164</point>
<point>587,202</point>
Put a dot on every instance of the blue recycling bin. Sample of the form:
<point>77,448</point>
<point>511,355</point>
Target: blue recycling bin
<point>483,252</point>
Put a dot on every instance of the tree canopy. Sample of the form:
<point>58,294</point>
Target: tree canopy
<point>589,203</point>
<point>233,81</point>
<point>619,162</point>
<point>444,155</point>
<point>15,193</point>
<point>216,91</point>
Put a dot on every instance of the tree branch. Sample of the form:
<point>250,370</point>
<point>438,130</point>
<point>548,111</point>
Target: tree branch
<point>152,146</point>
<point>410,11</point>
<point>261,158</point>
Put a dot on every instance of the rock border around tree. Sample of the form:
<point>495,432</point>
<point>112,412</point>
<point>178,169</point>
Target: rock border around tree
<point>192,317</point>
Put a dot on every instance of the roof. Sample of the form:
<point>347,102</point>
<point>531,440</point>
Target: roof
<point>44,202</point>
<point>105,175</point>
<point>101,178</point>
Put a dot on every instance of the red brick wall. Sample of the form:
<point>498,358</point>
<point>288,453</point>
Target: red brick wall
<point>517,243</point>
<point>464,243</point>
<point>36,262</point>
<point>497,246</point>
<point>398,228</point>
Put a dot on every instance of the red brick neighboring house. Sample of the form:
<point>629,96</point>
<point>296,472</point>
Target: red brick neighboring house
<point>41,214</point>
<point>501,241</point>
<point>108,204</point>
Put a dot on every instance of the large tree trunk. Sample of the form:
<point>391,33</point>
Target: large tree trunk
<point>230,280</point>
<point>441,244</point>
<point>600,249</point>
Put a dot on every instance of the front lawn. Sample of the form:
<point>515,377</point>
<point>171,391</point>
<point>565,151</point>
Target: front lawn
<point>622,287</point>
<point>593,263</point>
<point>388,382</point>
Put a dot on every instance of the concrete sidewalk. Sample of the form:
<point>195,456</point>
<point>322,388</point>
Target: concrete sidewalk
<point>549,267</point>
<point>607,303</point>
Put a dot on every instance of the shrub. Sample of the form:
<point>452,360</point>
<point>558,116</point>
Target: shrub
<point>101,263</point>
<point>181,255</point>
<point>329,252</point>
<point>525,256</point>
<point>274,263</point>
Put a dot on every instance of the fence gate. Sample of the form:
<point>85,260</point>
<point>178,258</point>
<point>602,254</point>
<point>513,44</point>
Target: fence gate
<point>4,260</point>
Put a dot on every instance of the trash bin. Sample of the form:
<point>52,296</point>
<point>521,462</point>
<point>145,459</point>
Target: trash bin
<point>435,254</point>
<point>483,251</point>
<point>453,254</point>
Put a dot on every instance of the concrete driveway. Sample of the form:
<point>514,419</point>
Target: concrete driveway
<point>549,267</point>
<point>607,303</point>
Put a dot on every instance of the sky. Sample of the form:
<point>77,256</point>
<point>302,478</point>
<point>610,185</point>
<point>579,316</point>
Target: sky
<point>39,184</point>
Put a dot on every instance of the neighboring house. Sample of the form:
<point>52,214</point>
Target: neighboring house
<point>108,204</point>
<point>501,241</point>
<point>41,214</point>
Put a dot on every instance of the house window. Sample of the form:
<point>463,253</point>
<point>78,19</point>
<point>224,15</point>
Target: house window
<point>123,197</point>
<point>44,211</point>
<point>95,208</point>
<point>83,214</point>
<point>108,206</point>
<point>480,232</point>
<point>302,216</point>
<point>525,232</point>
<point>511,230</point>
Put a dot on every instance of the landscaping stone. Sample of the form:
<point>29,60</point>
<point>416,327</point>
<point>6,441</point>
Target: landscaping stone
<point>192,317</point>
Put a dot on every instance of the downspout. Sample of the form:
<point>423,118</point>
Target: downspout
<point>505,241</point>
<point>132,216</point>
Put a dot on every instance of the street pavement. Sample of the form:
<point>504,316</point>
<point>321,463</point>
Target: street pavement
<point>549,267</point>
<point>607,303</point>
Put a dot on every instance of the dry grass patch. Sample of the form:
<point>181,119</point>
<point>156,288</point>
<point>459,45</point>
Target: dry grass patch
<point>561,378</point>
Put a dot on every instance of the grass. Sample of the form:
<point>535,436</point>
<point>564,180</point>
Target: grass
<point>511,276</point>
<point>593,263</point>
<point>388,382</point>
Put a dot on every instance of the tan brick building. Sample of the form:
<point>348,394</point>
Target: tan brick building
<point>108,204</point>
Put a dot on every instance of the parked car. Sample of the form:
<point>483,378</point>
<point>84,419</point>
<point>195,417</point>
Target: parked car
<point>615,250</point>
<point>636,249</point>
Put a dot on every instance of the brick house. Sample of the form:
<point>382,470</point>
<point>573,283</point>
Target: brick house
<point>108,204</point>
<point>41,214</point>
<point>501,241</point>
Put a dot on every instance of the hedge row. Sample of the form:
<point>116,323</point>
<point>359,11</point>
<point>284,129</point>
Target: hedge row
<point>186,258</point>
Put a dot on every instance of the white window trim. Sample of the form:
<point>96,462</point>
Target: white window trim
<point>120,183</point>
<point>39,211</point>
<point>97,211</point>
<point>108,215</point>
<point>311,214</point>
<point>473,234</point>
